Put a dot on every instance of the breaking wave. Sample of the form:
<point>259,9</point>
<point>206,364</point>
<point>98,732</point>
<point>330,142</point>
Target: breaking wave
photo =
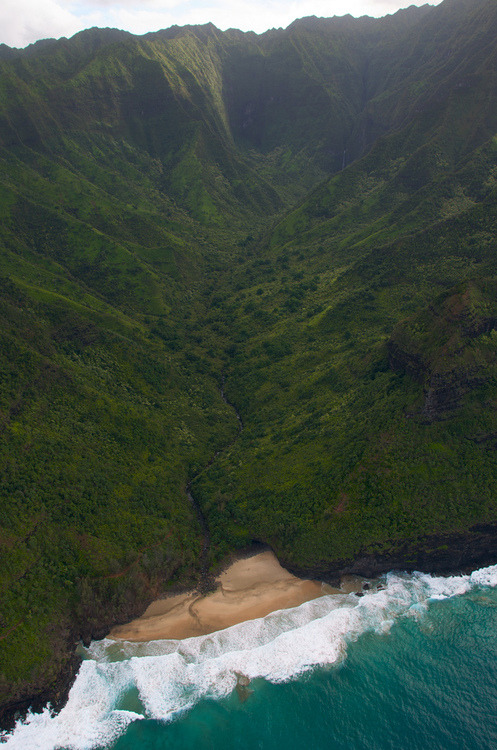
<point>122,682</point>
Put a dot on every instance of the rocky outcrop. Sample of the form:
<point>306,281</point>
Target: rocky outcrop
<point>35,698</point>
<point>452,553</point>
<point>444,393</point>
<point>99,608</point>
<point>445,347</point>
<point>440,554</point>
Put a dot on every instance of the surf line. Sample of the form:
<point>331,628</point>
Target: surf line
<point>206,581</point>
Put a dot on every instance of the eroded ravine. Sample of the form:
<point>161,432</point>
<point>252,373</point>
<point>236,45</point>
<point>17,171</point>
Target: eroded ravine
<point>206,581</point>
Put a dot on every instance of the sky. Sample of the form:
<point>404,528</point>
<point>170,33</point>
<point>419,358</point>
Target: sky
<point>26,21</point>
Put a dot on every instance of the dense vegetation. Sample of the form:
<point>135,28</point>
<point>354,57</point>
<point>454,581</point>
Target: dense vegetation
<point>307,215</point>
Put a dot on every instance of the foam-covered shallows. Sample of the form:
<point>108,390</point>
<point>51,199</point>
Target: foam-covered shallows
<point>170,676</point>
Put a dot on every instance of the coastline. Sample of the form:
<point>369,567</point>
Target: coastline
<point>122,682</point>
<point>438,554</point>
<point>249,588</point>
<point>255,584</point>
<point>443,554</point>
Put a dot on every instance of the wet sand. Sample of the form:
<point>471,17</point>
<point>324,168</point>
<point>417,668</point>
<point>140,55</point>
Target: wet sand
<point>251,587</point>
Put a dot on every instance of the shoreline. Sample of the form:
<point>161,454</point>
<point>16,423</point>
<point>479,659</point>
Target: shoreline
<point>252,586</point>
<point>442,554</point>
<point>275,587</point>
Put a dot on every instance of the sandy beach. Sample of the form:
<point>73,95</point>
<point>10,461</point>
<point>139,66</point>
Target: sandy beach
<point>249,588</point>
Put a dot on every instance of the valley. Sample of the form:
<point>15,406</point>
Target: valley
<point>293,232</point>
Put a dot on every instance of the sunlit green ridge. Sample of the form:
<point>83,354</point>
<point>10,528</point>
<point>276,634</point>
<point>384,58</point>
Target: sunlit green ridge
<point>309,214</point>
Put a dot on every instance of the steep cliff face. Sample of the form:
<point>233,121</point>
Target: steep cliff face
<point>445,553</point>
<point>239,123</point>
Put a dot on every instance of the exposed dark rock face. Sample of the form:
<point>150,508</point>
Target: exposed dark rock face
<point>36,699</point>
<point>401,359</point>
<point>440,554</point>
<point>444,393</point>
<point>439,348</point>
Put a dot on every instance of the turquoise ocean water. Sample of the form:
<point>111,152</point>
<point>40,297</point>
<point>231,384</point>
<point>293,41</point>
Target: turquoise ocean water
<point>411,664</point>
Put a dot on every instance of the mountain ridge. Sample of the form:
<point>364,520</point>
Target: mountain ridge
<point>308,216</point>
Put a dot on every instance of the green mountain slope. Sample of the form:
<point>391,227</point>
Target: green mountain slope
<point>347,444</point>
<point>309,215</point>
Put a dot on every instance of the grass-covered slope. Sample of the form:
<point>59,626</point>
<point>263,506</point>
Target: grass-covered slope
<point>349,446</point>
<point>309,214</point>
<point>107,407</point>
<point>106,412</point>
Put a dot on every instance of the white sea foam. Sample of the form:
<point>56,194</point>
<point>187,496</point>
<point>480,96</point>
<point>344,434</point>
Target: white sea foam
<point>171,676</point>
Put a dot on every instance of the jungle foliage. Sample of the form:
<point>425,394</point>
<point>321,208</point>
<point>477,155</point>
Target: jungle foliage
<point>309,216</point>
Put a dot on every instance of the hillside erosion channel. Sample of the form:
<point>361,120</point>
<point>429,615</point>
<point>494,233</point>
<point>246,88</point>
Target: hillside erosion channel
<point>57,696</point>
<point>441,554</point>
<point>206,580</point>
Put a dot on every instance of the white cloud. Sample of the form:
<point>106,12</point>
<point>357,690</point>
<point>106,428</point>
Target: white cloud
<point>25,21</point>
